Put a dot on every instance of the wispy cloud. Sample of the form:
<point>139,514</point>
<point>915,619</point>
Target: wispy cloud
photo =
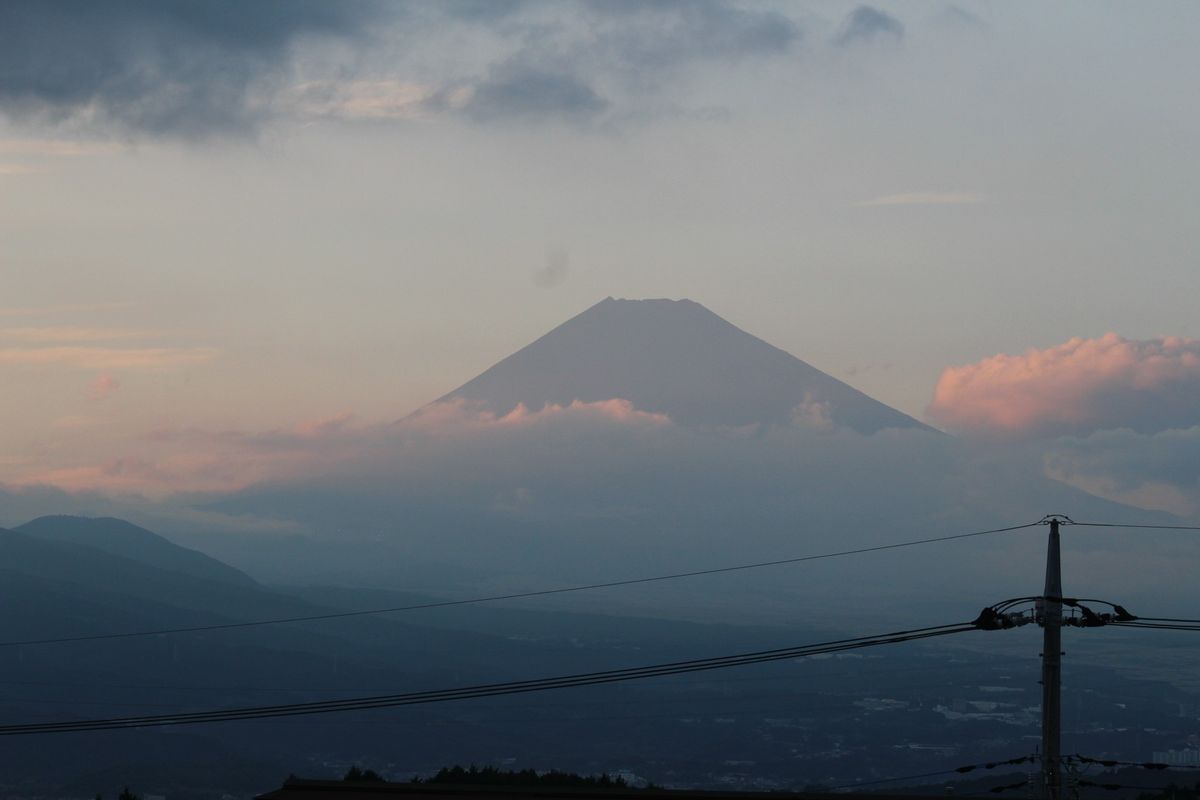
<point>56,148</point>
<point>104,358</point>
<point>59,308</point>
<point>365,100</point>
<point>43,335</point>
<point>925,199</point>
<point>72,422</point>
<point>103,385</point>
<point>17,169</point>
<point>168,461</point>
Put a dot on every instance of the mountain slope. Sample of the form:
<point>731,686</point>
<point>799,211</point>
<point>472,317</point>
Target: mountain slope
<point>678,358</point>
<point>55,589</point>
<point>120,538</point>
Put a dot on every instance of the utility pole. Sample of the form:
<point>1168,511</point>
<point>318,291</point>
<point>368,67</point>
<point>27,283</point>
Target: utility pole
<point>1048,612</point>
<point>1052,668</point>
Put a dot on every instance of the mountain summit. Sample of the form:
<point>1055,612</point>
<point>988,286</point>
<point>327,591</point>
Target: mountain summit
<point>677,358</point>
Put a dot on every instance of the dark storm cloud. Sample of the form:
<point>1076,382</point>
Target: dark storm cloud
<point>179,67</point>
<point>866,23</point>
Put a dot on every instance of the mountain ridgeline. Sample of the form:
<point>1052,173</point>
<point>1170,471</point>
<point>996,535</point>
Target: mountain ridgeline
<point>117,537</point>
<point>672,357</point>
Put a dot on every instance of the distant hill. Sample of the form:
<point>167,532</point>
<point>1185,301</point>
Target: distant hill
<point>57,587</point>
<point>120,538</point>
<point>677,358</point>
<point>54,590</point>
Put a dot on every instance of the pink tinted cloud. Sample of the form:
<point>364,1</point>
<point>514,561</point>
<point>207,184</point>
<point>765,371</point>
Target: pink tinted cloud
<point>325,426</point>
<point>102,386</point>
<point>460,415</point>
<point>169,461</point>
<point>613,410</point>
<point>121,475</point>
<point>107,357</point>
<point>1079,386</point>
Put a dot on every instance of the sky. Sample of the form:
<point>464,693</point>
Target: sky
<point>294,219</point>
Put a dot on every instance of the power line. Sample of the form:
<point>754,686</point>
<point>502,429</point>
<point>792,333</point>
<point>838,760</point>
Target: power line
<point>1136,526</point>
<point>1008,787</point>
<point>513,596</point>
<point>1159,623</point>
<point>959,770</point>
<point>1108,762</point>
<point>1156,626</point>
<point>892,780</point>
<point>757,679</point>
<point>486,690</point>
<point>973,665</point>
<point>1112,787</point>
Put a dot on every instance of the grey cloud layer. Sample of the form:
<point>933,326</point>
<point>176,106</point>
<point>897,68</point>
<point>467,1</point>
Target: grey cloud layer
<point>665,34</point>
<point>574,65</point>
<point>589,491</point>
<point>866,23</point>
<point>183,67</point>
<point>193,69</point>
<point>1160,470</point>
<point>527,90</point>
<point>583,493</point>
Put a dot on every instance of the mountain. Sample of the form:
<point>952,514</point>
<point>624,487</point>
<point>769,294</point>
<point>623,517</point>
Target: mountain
<point>70,588</point>
<point>120,538</point>
<point>56,590</point>
<point>453,507</point>
<point>677,358</point>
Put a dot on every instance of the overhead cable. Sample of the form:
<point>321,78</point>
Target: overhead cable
<point>497,597</point>
<point>1137,526</point>
<point>1108,762</point>
<point>1113,787</point>
<point>956,770</point>
<point>486,690</point>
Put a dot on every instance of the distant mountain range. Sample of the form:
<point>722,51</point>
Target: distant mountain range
<point>673,357</point>
<point>65,578</point>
